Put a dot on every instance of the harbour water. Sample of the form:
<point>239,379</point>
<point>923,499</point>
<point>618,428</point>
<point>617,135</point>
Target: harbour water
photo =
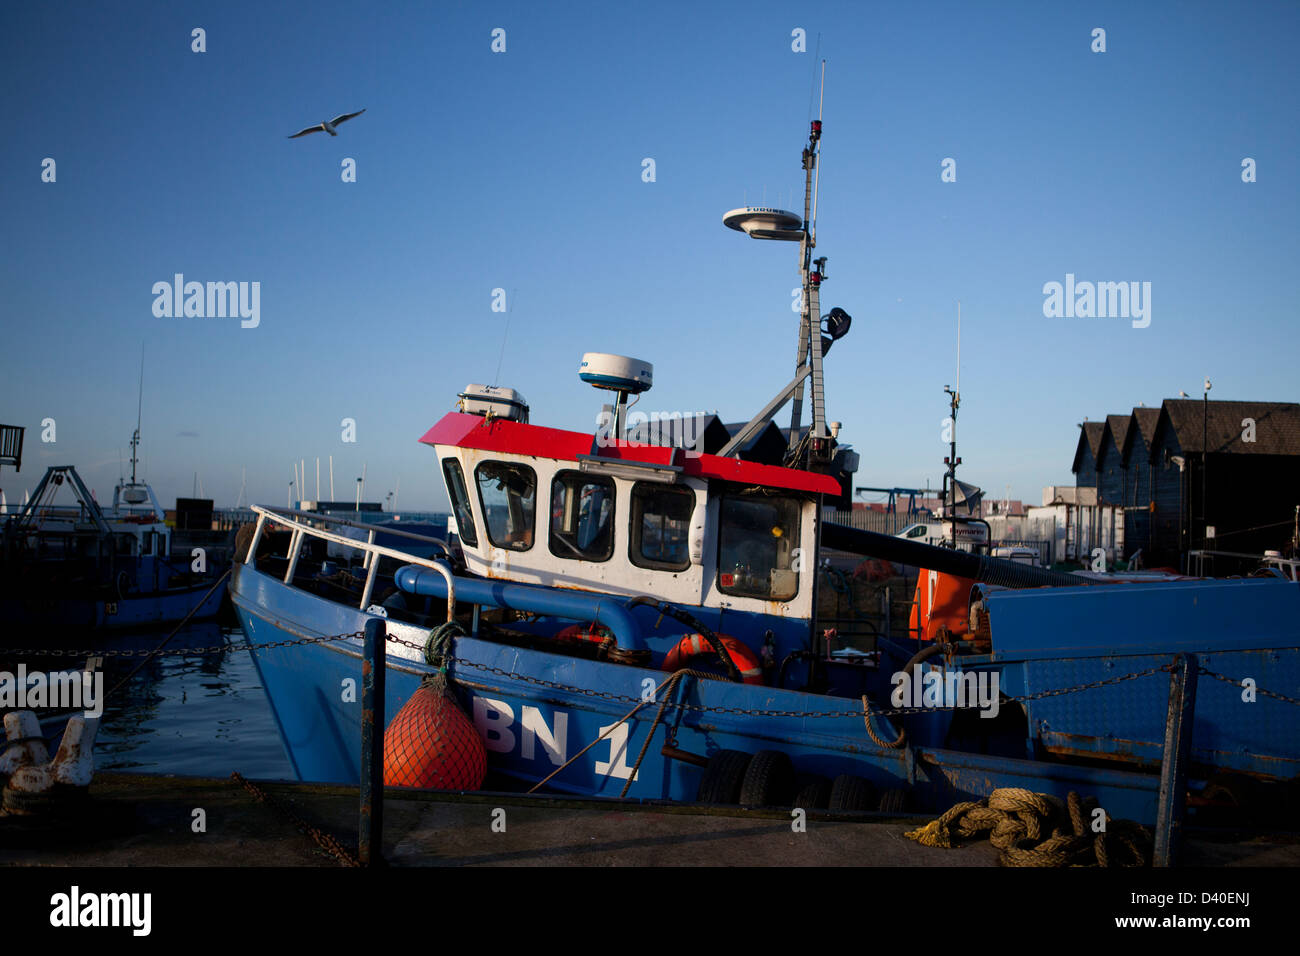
<point>198,714</point>
<point>198,709</point>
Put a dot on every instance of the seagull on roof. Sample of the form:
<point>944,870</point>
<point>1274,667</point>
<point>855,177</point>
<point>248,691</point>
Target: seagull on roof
<point>327,127</point>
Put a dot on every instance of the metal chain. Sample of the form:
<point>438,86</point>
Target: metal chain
<point>1237,683</point>
<point>325,841</point>
<point>617,698</point>
<point>1097,683</point>
<point>174,652</point>
<point>749,712</point>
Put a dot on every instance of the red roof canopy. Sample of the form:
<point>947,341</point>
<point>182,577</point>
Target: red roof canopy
<point>505,436</point>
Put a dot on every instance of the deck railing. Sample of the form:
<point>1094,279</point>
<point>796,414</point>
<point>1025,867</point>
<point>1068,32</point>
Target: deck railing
<point>297,522</point>
<point>11,446</point>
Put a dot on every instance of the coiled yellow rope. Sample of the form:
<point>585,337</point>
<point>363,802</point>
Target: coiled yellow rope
<point>1038,829</point>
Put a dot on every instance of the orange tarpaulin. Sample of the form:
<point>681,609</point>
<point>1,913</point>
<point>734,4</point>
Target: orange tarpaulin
<point>942,600</point>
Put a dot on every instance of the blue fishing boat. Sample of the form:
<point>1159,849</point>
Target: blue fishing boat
<point>639,619</point>
<point>83,567</point>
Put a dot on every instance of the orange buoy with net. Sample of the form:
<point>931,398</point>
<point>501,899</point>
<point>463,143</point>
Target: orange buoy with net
<point>432,744</point>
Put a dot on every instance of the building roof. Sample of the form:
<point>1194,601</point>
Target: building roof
<point>1142,428</point>
<point>1224,425</point>
<point>1118,425</point>
<point>1091,433</point>
<point>1068,495</point>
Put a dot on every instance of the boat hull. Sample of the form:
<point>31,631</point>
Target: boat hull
<point>536,711</point>
<point>133,611</point>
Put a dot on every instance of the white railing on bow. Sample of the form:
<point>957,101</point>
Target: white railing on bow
<point>296,521</point>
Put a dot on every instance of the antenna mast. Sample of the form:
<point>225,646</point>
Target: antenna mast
<point>816,448</point>
<point>812,272</point>
<point>817,173</point>
<point>139,412</point>
<point>952,461</point>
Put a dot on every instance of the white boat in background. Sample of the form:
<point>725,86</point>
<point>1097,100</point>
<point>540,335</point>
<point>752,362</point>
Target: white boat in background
<point>1289,568</point>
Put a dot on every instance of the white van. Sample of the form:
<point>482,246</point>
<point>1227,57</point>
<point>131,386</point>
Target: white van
<point>1017,553</point>
<point>971,535</point>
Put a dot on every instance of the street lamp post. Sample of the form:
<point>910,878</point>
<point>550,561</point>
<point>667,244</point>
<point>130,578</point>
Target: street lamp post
<point>1205,464</point>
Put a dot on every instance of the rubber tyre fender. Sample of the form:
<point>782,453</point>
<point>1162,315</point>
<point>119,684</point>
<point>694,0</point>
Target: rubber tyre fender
<point>852,793</point>
<point>769,780</point>
<point>813,794</point>
<point>723,777</point>
<point>893,801</point>
<point>1243,797</point>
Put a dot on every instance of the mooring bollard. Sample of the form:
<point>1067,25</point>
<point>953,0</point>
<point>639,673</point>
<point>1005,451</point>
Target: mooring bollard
<point>370,834</point>
<point>1173,766</point>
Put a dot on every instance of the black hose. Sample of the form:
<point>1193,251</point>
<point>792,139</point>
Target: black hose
<point>678,614</point>
<point>979,567</point>
<point>924,654</point>
<point>785,663</point>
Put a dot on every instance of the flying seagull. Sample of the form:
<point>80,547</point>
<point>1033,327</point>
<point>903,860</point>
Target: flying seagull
<point>327,127</point>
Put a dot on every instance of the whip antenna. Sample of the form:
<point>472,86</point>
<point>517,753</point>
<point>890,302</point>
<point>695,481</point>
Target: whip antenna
<point>817,170</point>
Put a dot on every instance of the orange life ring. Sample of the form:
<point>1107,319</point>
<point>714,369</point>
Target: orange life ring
<point>593,632</point>
<point>693,645</point>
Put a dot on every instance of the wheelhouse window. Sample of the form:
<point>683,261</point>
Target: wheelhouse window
<point>508,493</point>
<point>758,536</point>
<point>661,523</point>
<point>460,501</point>
<point>582,517</point>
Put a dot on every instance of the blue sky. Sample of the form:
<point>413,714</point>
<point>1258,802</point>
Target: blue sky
<point>522,170</point>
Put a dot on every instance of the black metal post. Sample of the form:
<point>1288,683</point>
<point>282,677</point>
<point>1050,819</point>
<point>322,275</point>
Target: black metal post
<point>370,833</point>
<point>950,479</point>
<point>1177,755</point>
<point>1205,469</point>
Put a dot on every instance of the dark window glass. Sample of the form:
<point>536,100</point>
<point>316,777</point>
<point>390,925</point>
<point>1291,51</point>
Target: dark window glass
<point>459,501</point>
<point>661,521</point>
<point>757,539</point>
<point>582,516</point>
<point>508,494</point>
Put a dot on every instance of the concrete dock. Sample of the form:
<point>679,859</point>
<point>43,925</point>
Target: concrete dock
<point>138,820</point>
